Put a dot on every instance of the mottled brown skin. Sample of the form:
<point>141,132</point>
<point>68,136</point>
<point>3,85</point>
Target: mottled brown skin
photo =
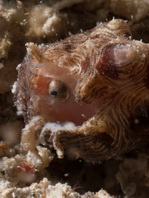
<point>106,70</point>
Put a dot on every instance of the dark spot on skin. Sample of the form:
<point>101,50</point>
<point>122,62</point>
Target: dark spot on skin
<point>106,65</point>
<point>139,122</point>
<point>85,64</point>
<point>146,79</point>
<point>54,93</point>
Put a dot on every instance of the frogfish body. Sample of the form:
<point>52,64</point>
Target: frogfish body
<point>91,90</point>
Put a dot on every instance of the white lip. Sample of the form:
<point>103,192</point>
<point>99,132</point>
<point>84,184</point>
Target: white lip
<point>53,127</point>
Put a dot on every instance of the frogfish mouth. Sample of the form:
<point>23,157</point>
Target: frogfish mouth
<point>87,89</point>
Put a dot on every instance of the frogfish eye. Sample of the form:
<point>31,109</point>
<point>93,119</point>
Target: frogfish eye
<point>58,90</point>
